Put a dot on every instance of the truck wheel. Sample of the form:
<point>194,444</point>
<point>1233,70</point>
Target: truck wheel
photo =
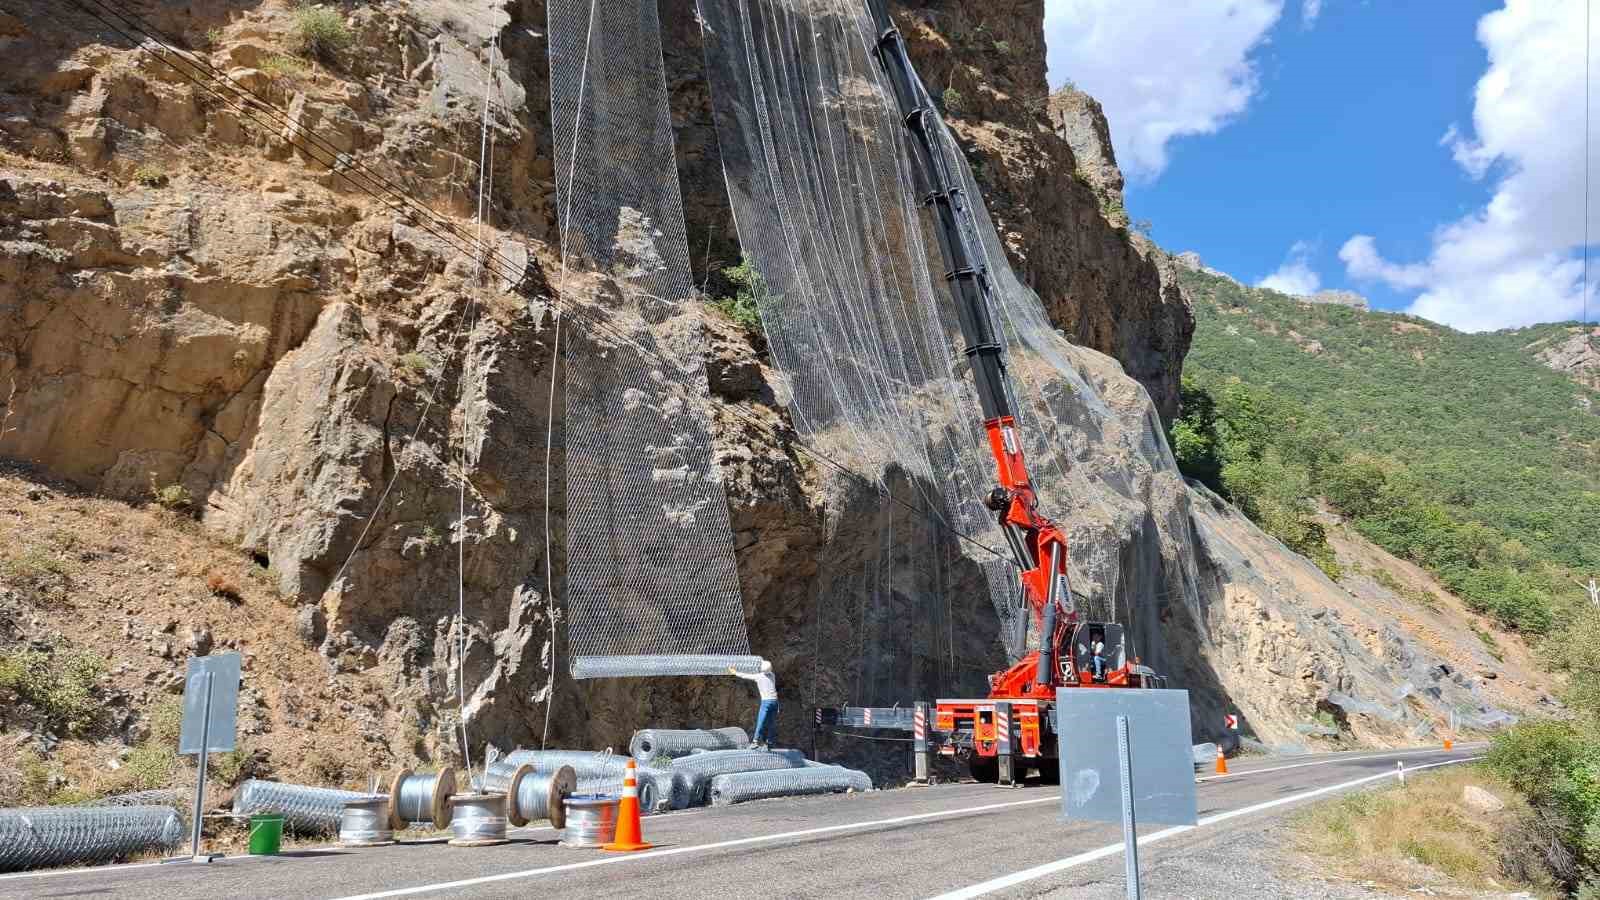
<point>985,769</point>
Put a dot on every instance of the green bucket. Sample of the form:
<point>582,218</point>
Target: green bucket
<point>266,834</point>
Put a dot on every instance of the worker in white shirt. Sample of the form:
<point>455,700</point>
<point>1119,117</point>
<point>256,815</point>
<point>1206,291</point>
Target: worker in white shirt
<point>767,718</point>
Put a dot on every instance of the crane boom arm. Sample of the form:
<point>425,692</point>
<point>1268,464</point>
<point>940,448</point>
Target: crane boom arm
<point>1038,545</point>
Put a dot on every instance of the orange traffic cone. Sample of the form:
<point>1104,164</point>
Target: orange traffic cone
<point>1448,743</point>
<point>629,835</point>
<point>1222,762</point>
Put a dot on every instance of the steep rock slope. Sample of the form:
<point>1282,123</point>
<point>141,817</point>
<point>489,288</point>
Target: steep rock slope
<point>194,308</point>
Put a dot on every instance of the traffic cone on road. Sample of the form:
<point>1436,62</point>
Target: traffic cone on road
<point>1222,762</point>
<point>630,835</point>
<point>1448,744</point>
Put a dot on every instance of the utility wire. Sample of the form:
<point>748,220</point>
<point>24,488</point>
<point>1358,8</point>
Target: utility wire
<point>248,103</point>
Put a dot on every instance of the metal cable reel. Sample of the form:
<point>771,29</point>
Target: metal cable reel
<point>532,795</point>
<point>416,797</point>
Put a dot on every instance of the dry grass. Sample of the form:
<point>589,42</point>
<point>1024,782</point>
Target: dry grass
<point>1419,834</point>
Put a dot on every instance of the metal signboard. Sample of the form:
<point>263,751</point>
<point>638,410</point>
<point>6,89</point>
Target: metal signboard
<point>210,704</point>
<point>1160,755</point>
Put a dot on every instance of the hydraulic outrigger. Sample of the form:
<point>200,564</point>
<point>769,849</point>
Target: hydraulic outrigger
<point>1015,719</point>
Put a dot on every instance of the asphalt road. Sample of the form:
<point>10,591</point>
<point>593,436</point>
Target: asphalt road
<point>974,840</point>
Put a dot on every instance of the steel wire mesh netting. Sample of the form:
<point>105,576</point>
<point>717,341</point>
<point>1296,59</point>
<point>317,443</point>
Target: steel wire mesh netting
<point>34,838</point>
<point>813,153</point>
<point>650,565</point>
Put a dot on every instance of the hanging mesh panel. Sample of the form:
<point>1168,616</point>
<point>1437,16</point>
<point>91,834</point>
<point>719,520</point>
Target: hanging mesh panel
<point>820,189</point>
<point>650,566</point>
<point>816,162</point>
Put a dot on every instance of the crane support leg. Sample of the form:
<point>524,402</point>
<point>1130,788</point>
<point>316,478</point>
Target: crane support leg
<point>1002,733</point>
<point>921,757</point>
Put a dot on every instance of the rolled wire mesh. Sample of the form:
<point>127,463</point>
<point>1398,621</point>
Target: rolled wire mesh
<point>304,809</point>
<point>650,743</point>
<point>742,786</point>
<point>693,774</point>
<point>650,565</point>
<point>658,665</point>
<point>584,763</point>
<point>32,838</point>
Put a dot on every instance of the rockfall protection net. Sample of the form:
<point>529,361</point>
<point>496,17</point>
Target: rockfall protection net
<point>650,565</point>
<point>817,180</point>
<point>742,786</point>
<point>823,196</point>
<point>32,838</point>
<point>650,743</point>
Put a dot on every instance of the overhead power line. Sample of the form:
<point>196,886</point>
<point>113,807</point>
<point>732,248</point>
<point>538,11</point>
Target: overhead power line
<point>262,112</point>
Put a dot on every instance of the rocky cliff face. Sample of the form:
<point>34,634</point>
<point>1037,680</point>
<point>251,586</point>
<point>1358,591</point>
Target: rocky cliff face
<point>1575,352</point>
<point>191,306</point>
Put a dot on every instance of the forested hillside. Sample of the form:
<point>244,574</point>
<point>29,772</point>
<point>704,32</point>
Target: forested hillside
<point>1462,452</point>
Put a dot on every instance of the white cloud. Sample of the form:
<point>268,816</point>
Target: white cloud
<point>1295,276</point>
<point>1309,11</point>
<point>1161,69</point>
<point>1512,262</point>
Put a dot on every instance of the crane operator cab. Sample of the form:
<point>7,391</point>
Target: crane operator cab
<point>1099,654</point>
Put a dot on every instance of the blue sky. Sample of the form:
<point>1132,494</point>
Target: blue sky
<point>1426,154</point>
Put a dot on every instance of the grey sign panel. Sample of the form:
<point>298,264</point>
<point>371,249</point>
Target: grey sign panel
<point>1162,756</point>
<point>217,675</point>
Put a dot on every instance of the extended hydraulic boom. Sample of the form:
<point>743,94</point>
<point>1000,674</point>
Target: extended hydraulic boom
<point>1038,545</point>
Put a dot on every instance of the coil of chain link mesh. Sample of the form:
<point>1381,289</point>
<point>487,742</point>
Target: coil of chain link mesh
<point>644,665</point>
<point>742,786</point>
<point>696,770</point>
<point>305,809</point>
<point>649,744</point>
<point>32,838</point>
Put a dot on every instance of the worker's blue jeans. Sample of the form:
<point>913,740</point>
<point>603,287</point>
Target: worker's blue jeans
<point>766,722</point>
<point>1099,667</point>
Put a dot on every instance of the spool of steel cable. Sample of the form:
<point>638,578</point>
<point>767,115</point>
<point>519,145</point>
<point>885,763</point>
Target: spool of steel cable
<point>591,820</point>
<point>417,797</point>
<point>531,795</point>
<point>477,820</point>
<point>365,823</point>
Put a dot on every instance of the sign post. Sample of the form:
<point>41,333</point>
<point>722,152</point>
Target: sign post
<point>210,719</point>
<point>1130,839</point>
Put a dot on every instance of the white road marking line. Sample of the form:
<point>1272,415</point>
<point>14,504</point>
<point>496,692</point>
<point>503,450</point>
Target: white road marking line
<point>1323,762</point>
<point>693,848</point>
<point>1060,865</point>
